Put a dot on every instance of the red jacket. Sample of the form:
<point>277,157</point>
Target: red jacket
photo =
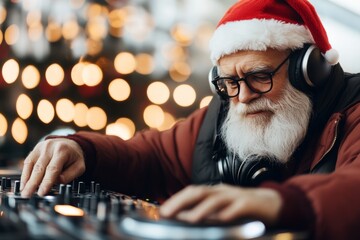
<point>157,164</point>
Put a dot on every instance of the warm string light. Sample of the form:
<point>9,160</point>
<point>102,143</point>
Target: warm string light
<point>3,125</point>
<point>119,49</point>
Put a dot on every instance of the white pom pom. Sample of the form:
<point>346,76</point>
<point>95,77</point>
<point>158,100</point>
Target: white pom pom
<point>332,56</point>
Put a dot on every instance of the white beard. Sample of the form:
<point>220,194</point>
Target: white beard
<point>277,135</point>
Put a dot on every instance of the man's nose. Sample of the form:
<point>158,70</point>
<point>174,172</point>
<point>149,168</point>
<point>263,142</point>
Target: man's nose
<point>246,95</point>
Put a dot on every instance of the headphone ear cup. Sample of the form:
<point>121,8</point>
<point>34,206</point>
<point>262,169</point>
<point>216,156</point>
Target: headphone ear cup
<point>257,169</point>
<point>308,69</point>
<point>250,172</point>
<point>212,74</point>
<point>225,172</point>
<point>247,174</point>
<point>295,70</point>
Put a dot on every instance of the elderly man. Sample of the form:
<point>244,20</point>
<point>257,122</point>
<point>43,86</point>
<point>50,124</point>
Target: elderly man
<point>282,136</point>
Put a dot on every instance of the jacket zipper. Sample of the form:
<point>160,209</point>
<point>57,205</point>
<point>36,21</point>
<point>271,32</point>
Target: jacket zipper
<point>332,144</point>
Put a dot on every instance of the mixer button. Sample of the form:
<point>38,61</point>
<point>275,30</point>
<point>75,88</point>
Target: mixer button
<point>97,189</point>
<point>3,183</point>
<point>17,187</point>
<point>81,188</point>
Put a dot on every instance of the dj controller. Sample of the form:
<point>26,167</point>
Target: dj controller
<point>86,211</point>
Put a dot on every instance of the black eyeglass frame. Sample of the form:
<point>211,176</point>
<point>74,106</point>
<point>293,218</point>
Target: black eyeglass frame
<point>237,79</point>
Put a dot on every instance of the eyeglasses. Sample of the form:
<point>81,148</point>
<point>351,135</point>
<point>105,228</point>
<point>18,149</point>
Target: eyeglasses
<point>258,82</point>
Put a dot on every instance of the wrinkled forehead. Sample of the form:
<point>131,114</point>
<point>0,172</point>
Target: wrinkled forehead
<point>249,56</point>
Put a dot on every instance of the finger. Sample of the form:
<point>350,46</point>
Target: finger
<point>37,175</point>
<point>183,200</point>
<point>204,209</point>
<point>57,170</point>
<point>72,172</point>
<point>27,168</point>
<point>263,204</point>
<point>53,170</point>
<point>235,210</point>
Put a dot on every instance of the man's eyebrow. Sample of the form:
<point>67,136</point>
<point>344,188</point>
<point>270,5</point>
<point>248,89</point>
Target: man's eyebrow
<point>258,67</point>
<point>262,67</point>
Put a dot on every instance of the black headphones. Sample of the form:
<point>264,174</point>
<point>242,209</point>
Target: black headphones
<point>308,69</point>
<point>249,172</point>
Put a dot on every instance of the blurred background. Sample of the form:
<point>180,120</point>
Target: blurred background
<point>117,66</point>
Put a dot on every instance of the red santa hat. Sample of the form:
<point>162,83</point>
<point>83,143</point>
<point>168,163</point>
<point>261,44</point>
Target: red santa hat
<point>261,24</point>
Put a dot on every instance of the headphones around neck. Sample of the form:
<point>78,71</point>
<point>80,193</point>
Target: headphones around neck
<point>249,172</point>
<point>308,69</point>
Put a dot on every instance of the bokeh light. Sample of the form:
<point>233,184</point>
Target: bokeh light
<point>70,29</point>
<point>12,34</point>
<point>144,63</point>
<point>80,112</point>
<point>3,14</point>
<point>205,101</point>
<point>53,31</point>
<point>77,74</point>
<point>182,34</point>
<point>54,74</point>
<point>35,31</point>
<point>96,118</point>
<point>123,128</point>
<point>92,74</point>
<point>10,71</point>
<point>180,71</point>
<point>3,125</point>
<point>30,77</point>
<point>19,130</point>
<point>24,106</point>
<point>45,111</point>
<point>184,95</point>
<point>65,110</point>
<point>97,27</point>
<point>128,123</point>
<point>153,116</point>
<point>117,20</point>
<point>33,18</point>
<point>125,63</point>
<point>158,92</point>
<point>119,89</point>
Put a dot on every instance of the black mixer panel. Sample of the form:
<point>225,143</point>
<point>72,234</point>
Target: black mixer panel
<point>85,211</point>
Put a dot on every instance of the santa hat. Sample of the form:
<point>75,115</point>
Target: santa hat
<point>262,24</point>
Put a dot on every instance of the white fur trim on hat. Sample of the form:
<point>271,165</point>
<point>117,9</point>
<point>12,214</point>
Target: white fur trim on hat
<point>258,35</point>
<point>332,56</point>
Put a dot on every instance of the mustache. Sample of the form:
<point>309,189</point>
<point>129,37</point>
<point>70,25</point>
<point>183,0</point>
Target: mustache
<point>261,104</point>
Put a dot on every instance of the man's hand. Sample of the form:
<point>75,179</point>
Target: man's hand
<point>223,203</point>
<point>52,161</point>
